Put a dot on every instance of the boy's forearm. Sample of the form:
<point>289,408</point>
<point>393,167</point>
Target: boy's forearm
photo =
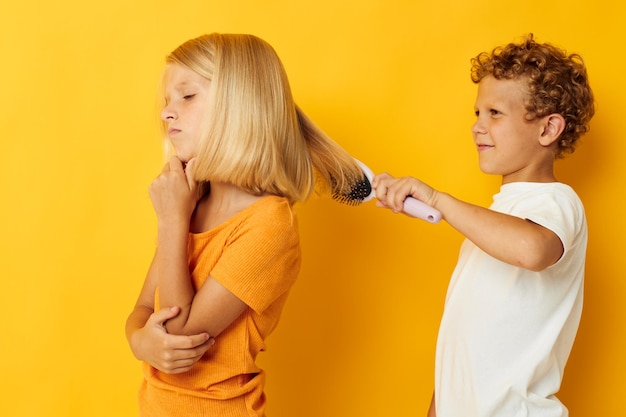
<point>510,239</point>
<point>431,410</point>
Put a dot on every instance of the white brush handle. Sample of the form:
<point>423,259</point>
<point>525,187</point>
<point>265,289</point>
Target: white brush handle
<point>415,208</point>
<point>412,206</point>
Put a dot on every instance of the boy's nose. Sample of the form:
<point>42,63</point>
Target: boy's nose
<point>477,127</point>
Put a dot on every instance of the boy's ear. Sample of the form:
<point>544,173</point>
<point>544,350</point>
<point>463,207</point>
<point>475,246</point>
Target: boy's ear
<point>552,129</point>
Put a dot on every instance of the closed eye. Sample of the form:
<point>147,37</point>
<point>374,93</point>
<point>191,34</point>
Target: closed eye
<point>188,96</point>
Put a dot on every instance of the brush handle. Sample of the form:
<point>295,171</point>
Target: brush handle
<point>415,208</point>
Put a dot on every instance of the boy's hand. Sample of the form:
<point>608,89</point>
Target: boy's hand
<point>391,192</point>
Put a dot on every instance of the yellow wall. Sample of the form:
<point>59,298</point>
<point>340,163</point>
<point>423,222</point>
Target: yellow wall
<point>389,80</point>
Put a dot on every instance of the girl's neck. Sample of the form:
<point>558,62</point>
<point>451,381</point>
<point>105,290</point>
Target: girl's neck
<point>221,203</point>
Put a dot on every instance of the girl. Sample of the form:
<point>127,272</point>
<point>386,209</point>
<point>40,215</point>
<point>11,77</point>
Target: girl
<point>227,247</point>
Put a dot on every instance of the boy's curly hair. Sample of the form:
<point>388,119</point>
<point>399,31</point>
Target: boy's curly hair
<point>557,83</point>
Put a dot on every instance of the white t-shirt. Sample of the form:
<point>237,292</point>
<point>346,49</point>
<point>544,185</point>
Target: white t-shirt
<point>507,332</point>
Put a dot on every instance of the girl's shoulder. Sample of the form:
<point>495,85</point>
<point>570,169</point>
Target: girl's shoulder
<point>270,209</point>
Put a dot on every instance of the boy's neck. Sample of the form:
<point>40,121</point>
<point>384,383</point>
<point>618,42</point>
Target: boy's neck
<point>542,170</point>
<point>531,178</point>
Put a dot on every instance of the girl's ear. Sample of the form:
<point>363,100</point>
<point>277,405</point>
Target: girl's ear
<point>552,129</point>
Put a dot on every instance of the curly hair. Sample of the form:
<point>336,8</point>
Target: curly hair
<point>557,83</point>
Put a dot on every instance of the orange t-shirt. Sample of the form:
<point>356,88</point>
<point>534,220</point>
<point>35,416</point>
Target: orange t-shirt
<point>256,256</point>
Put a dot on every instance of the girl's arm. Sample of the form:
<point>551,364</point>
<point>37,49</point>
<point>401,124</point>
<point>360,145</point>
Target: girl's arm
<point>508,238</point>
<point>150,342</point>
<point>213,307</point>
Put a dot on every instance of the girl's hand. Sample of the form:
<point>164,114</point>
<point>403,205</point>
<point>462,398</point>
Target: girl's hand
<point>391,192</point>
<point>174,193</point>
<point>168,353</point>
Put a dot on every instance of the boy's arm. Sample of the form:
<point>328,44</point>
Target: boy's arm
<point>510,239</point>
<point>507,238</point>
<point>431,410</point>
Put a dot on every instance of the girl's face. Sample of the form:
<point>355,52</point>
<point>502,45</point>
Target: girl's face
<point>507,143</point>
<point>186,108</point>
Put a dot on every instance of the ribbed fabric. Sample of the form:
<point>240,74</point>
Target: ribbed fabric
<point>256,256</point>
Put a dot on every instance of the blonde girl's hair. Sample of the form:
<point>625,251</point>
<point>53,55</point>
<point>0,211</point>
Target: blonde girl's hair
<point>256,137</point>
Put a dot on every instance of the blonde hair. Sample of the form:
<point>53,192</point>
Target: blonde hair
<point>256,137</point>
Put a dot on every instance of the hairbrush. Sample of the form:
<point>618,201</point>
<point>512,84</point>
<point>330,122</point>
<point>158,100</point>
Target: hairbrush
<point>362,191</point>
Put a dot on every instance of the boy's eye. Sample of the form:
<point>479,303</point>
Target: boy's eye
<point>494,112</point>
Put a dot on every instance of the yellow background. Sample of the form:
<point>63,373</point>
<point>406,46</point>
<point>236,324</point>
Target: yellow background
<point>389,80</point>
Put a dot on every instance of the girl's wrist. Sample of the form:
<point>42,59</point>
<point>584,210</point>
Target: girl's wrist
<point>170,228</point>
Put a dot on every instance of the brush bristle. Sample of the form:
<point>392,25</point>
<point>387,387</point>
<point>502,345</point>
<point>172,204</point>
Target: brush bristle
<point>357,193</point>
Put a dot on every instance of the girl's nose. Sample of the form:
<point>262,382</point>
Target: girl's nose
<point>168,114</point>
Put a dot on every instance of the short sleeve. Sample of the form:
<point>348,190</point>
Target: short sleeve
<point>261,258</point>
<point>558,209</point>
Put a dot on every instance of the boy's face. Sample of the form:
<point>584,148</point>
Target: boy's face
<point>507,143</point>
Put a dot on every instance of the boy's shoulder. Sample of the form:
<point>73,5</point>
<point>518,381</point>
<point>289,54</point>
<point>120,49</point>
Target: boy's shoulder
<point>539,200</point>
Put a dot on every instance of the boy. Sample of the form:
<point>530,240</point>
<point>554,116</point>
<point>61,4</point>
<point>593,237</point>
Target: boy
<point>515,297</point>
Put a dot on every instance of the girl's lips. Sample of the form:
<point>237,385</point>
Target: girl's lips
<point>482,147</point>
<point>172,131</point>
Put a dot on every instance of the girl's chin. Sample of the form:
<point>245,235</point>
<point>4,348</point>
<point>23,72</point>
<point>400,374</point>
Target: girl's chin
<point>184,157</point>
